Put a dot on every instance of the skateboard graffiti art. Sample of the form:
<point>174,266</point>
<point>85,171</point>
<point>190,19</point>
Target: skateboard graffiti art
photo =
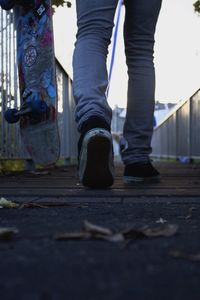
<point>37,114</point>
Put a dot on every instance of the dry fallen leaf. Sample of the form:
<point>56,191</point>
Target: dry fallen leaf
<point>179,254</point>
<point>32,205</point>
<point>49,204</point>
<point>161,221</point>
<point>116,237</point>
<point>4,203</point>
<point>92,228</point>
<point>92,231</point>
<point>190,212</point>
<point>166,230</point>
<point>72,236</point>
<point>7,233</point>
<point>163,230</point>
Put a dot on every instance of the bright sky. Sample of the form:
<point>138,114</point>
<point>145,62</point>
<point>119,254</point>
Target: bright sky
<point>177,52</point>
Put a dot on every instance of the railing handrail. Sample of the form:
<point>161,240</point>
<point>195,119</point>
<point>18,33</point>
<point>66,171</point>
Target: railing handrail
<point>175,109</point>
<point>177,136</point>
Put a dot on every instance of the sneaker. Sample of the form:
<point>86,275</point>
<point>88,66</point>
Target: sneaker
<point>96,168</point>
<point>140,172</point>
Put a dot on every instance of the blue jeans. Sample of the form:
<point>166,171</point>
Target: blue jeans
<point>95,25</point>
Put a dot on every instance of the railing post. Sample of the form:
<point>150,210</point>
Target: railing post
<point>190,128</point>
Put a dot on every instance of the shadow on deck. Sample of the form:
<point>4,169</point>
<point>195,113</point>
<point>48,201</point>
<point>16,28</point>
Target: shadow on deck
<point>141,268</point>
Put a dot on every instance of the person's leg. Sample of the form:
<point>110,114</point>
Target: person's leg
<point>139,29</point>
<point>90,80</point>
<point>140,22</point>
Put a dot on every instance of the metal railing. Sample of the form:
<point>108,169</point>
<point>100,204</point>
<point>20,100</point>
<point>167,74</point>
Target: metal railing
<point>11,146</point>
<point>178,136</point>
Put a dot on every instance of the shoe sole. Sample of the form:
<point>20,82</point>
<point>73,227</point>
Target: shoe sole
<point>96,160</point>
<point>132,180</point>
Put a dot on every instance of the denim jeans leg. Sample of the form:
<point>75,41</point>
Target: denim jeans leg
<point>90,80</point>
<point>139,29</point>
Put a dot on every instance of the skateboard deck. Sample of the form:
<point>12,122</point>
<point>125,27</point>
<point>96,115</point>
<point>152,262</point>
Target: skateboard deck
<point>37,81</point>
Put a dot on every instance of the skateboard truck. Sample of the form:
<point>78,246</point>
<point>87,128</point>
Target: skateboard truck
<point>12,115</point>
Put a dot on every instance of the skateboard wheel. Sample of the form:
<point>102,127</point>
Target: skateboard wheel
<point>38,106</point>
<point>10,115</point>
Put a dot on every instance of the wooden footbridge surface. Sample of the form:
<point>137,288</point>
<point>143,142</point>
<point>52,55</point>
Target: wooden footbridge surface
<point>37,265</point>
<point>177,180</point>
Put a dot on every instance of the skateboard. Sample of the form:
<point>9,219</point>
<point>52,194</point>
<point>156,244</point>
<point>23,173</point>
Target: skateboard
<point>37,114</point>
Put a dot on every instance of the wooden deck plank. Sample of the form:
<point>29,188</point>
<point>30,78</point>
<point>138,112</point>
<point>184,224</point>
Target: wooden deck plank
<point>177,180</point>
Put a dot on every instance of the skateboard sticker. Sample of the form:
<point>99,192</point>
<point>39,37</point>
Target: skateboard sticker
<point>41,9</point>
<point>30,56</point>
